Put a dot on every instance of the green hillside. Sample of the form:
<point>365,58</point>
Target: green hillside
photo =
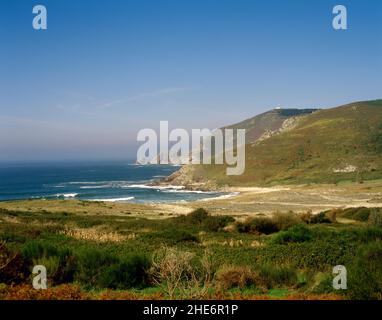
<point>330,145</point>
<point>271,121</point>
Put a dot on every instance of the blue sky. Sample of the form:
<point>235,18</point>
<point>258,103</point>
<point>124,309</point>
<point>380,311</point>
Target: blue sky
<point>105,69</point>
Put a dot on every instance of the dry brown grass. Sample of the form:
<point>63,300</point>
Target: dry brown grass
<point>94,234</point>
<point>72,292</point>
<point>173,271</point>
<point>27,292</point>
<point>229,277</point>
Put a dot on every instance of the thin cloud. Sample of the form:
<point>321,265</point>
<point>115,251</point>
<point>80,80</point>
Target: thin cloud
<point>156,93</point>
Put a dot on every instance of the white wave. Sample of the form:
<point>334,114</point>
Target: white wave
<point>224,196</point>
<point>145,186</point>
<point>107,182</point>
<point>82,182</point>
<point>113,200</point>
<point>67,195</point>
<point>95,182</point>
<point>97,187</point>
<point>189,191</point>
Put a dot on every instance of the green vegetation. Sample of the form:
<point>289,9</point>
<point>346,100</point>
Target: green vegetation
<point>268,225</point>
<point>296,234</point>
<point>371,215</point>
<point>100,269</point>
<point>282,254</point>
<point>201,219</point>
<point>326,146</point>
<point>365,274</point>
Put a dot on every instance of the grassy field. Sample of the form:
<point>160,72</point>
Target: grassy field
<point>125,251</point>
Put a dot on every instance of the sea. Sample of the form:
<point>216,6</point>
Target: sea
<point>111,181</point>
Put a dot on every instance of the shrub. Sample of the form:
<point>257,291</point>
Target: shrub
<point>197,216</point>
<point>11,236</point>
<point>284,221</point>
<point>365,274</point>
<point>101,269</point>
<point>375,218</point>
<point>320,218</point>
<point>203,219</point>
<point>332,215</point>
<point>263,277</point>
<point>298,233</point>
<point>359,214</point>
<point>128,273</point>
<point>307,217</point>
<point>263,225</point>
<point>322,283</point>
<point>275,277</point>
<point>92,263</point>
<point>174,236</point>
<point>59,262</point>
<point>13,269</point>
<point>173,270</point>
<point>257,225</point>
<point>217,223</point>
<point>366,234</point>
<point>243,227</point>
<point>228,277</point>
<point>268,225</point>
<point>318,255</point>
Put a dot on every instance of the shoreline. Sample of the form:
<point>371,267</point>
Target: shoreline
<point>240,201</point>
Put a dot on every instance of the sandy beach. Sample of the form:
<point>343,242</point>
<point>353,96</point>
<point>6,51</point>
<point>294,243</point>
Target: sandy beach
<point>243,201</point>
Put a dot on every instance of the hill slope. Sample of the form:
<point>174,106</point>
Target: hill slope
<point>342,143</point>
<point>269,123</point>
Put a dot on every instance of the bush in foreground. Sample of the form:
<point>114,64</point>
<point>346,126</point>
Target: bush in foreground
<point>260,277</point>
<point>173,236</point>
<point>201,218</point>
<point>130,272</point>
<point>59,262</point>
<point>13,268</point>
<point>375,218</point>
<point>365,274</point>
<point>359,214</point>
<point>176,273</point>
<point>101,269</point>
<point>229,277</point>
<point>270,224</point>
<point>296,234</point>
<point>258,225</point>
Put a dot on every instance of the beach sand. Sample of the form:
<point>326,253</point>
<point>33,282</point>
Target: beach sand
<point>242,201</point>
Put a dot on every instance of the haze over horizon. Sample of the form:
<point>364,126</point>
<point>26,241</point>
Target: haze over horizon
<point>104,70</point>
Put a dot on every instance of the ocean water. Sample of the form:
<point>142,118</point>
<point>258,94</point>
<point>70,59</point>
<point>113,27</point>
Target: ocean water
<point>101,181</point>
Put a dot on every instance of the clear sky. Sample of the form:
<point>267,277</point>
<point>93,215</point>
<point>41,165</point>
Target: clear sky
<point>105,69</point>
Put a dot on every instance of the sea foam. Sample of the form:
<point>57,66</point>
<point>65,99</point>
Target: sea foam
<point>113,199</point>
<point>67,195</point>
